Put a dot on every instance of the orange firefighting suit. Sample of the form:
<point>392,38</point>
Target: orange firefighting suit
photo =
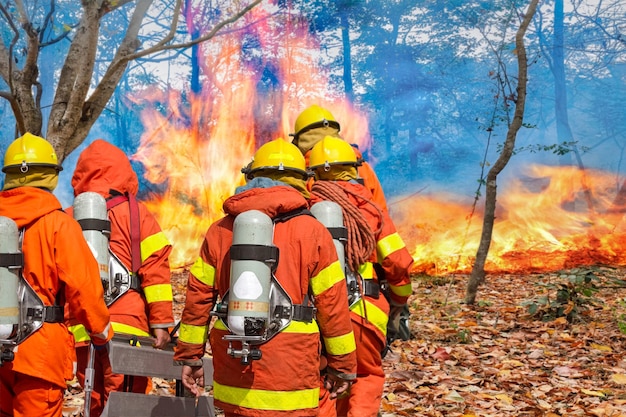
<point>285,381</point>
<point>105,169</point>
<point>370,314</point>
<point>61,269</point>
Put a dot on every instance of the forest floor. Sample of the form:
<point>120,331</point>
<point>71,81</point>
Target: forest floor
<point>495,358</point>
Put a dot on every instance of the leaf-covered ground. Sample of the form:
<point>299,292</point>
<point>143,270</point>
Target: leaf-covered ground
<point>494,359</point>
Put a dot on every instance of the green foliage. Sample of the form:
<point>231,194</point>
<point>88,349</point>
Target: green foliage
<point>572,297</point>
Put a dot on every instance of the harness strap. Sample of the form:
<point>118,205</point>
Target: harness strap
<point>49,314</point>
<point>297,312</point>
<point>371,288</point>
<point>11,260</point>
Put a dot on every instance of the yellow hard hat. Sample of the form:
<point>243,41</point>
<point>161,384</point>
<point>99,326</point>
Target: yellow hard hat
<point>314,117</point>
<point>30,150</point>
<point>278,155</point>
<point>332,151</point>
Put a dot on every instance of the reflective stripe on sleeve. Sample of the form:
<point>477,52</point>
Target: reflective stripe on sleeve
<point>153,243</point>
<point>267,400</point>
<point>327,277</point>
<point>191,334</point>
<point>80,332</point>
<point>203,272</point>
<point>372,313</point>
<point>388,245</point>
<point>126,329</point>
<point>340,345</point>
<point>158,292</point>
<point>402,290</point>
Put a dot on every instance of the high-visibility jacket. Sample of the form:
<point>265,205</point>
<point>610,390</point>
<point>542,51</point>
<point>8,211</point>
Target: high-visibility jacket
<point>285,381</point>
<point>105,169</point>
<point>370,314</point>
<point>60,267</point>
<point>391,253</point>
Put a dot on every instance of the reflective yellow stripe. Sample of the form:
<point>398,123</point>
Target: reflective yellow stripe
<point>158,292</point>
<point>80,333</point>
<point>340,345</point>
<point>267,400</point>
<point>204,272</point>
<point>389,244</point>
<point>192,334</point>
<point>293,327</point>
<point>302,327</point>
<point>372,313</point>
<point>152,244</point>
<point>328,277</point>
<point>125,328</point>
<point>402,290</point>
<point>366,270</point>
<point>220,325</point>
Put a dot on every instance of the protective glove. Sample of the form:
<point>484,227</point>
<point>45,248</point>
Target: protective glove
<point>337,384</point>
<point>398,324</point>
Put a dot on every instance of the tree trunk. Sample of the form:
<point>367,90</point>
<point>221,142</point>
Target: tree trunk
<point>478,270</point>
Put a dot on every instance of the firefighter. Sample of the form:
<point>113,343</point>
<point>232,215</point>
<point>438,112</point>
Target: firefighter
<point>372,238</point>
<point>283,378</point>
<point>136,240</point>
<point>315,123</point>
<point>60,268</point>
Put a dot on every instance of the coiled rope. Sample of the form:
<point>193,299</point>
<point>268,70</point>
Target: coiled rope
<point>361,238</point>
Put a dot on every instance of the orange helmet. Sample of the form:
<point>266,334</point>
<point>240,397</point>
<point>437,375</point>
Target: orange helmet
<point>278,155</point>
<point>30,150</point>
<point>314,117</point>
<point>332,151</point>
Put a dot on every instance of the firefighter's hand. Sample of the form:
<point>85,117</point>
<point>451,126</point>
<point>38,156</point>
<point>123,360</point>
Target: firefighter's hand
<point>336,385</point>
<point>162,338</point>
<point>193,379</point>
<point>398,326</point>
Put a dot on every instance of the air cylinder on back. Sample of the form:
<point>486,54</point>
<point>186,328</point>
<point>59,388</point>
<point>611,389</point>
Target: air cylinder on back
<point>10,264</point>
<point>251,273</point>
<point>330,215</point>
<point>90,210</point>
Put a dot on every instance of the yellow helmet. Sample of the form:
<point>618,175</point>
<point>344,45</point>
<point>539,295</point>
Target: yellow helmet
<point>278,155</point>
<point>314,117</point>
<point>30,150</point>
<point>332,151</point>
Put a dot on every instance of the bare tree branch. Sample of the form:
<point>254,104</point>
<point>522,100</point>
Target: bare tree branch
<point>478,270</point>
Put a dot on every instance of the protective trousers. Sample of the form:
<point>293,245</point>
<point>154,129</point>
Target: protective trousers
<point>366,392</point>
<point>26,396</point>
<point>104,380</point>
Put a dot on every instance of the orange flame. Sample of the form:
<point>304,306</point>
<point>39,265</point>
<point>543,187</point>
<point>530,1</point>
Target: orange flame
<point>195,148</point>
<point>553,218</point>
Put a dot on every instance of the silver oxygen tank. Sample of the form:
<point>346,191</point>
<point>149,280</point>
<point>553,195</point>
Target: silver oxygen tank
<point>330,215</point>
<point>9,279</point>
<point>90,210</point>
<point>250,276</point>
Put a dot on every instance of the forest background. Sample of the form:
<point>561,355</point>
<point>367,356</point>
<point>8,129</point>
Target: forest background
<point>427,91</point>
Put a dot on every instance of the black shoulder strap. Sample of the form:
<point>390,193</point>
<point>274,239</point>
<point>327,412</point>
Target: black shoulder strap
<point>283,217</point>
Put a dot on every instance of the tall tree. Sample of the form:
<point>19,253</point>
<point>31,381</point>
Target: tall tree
<point>478,270</point>
<point>79,99</point>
